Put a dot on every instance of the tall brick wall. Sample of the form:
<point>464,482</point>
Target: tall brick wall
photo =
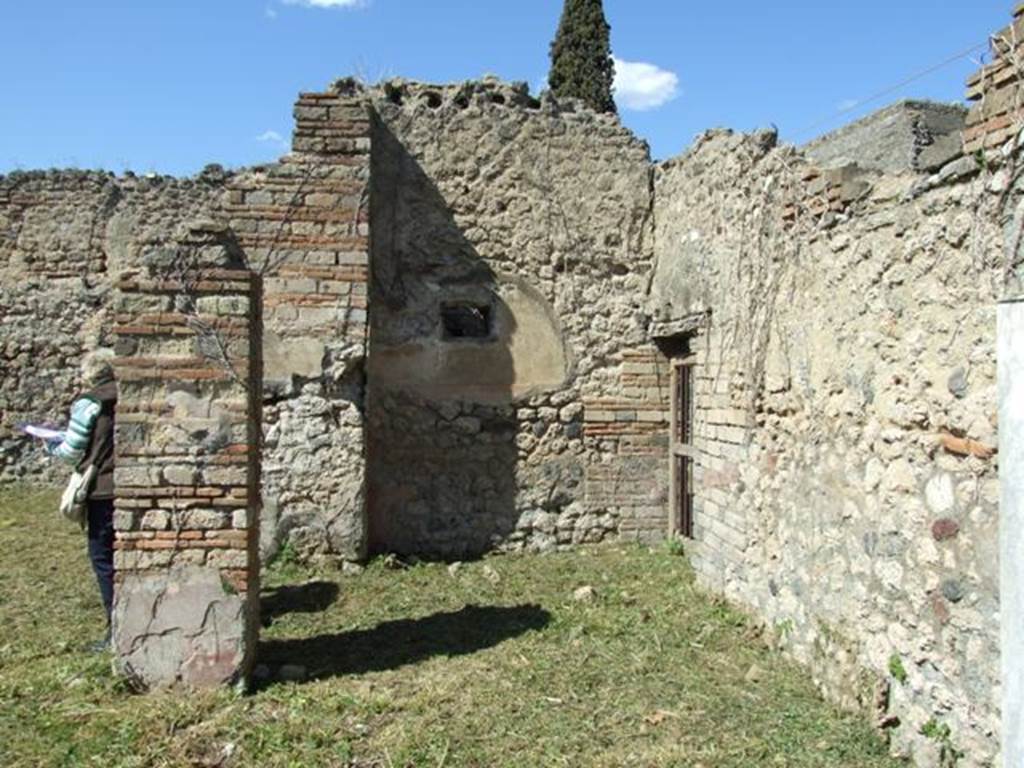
<point>187,441</point>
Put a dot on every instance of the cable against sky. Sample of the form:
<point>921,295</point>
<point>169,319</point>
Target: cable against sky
<point>889,90</point>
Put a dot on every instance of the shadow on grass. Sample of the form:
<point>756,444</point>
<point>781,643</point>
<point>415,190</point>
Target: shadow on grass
<point>394,644</point>
<point>312,597</point>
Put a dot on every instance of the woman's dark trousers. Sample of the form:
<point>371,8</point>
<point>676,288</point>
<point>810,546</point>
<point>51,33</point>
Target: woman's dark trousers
<point>101,548</point>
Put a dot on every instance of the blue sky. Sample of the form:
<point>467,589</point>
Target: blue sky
<point>170,85</point>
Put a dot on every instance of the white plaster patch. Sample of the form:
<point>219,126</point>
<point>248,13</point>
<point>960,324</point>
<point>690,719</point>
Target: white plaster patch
<point>939,494</point>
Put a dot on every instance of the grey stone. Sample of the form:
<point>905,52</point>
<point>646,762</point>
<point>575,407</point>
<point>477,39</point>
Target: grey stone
<point>953,590</point>
<point>958,169</point>
<point>957,383</point>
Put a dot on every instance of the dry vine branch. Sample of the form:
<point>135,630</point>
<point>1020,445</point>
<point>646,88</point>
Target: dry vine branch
<point>209,342</point>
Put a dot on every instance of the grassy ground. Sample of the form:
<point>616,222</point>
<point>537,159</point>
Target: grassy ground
<point>496,665</point>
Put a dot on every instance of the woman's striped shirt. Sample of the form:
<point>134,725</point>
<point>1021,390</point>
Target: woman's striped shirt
<point>71,448</point>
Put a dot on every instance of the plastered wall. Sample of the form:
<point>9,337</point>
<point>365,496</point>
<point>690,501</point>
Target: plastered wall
<point>540,212</point>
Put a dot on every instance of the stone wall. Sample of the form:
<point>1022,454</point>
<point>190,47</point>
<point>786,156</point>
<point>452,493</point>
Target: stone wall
<point>907,136</point>
<point>487,368</point>
<point>301,225</point>
<point>62,236</point>
<point>847,489</point>
<point>535,216</point>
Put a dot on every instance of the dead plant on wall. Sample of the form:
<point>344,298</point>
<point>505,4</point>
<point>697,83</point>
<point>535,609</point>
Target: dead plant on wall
<point>766,277</point>
<point>190,265</point>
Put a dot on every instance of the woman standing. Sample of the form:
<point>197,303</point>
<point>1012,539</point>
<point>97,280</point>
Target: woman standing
<point>89,441</point>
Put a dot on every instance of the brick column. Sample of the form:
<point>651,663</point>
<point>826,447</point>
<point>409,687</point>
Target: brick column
<point>304,226</point>
<point>187,451</point>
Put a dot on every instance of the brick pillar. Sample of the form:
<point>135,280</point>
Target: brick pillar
<point>996,114</point>
<point>187,452</point>
<point>304,226</point>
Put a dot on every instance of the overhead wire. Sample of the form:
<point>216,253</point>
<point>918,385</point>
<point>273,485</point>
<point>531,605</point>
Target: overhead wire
<point>891,89</point>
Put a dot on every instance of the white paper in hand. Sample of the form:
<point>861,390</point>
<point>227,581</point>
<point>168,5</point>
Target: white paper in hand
<point>43,433</point>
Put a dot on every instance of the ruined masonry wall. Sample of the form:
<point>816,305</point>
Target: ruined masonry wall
<point>846,489</point>
<point>63,235</point>
<point>541,211</point>
<point>303,225</point>
<point>846,414</point>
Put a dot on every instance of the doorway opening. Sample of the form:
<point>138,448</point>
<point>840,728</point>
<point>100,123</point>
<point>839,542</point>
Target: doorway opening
<point>682,451</point>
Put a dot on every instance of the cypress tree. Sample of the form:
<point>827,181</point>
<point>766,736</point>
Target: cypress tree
<point>581,60</point>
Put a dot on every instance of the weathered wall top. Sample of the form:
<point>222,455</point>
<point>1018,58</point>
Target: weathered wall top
<point>474,97</point>
<point>910,135</point>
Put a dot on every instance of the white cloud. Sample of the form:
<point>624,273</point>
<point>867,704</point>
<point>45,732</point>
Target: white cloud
<point>269,12</point>
<point>273,138</point>
<point>642,86</point>
<point>327,3</point>
<point>847,104</point>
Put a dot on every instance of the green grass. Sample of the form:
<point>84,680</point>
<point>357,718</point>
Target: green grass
<point>417,667</point>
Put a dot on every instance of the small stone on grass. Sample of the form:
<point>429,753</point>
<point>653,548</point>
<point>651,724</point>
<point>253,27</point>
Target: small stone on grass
<point>584,594</point>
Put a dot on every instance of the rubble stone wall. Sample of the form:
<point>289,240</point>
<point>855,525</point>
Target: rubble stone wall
<point>63,234</point>
<point>486,368</point>
<point>538,215</point>
<point>846,487</point>
<point>301,225</point>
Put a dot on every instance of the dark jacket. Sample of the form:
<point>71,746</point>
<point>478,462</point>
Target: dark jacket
<point>101,445</point>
